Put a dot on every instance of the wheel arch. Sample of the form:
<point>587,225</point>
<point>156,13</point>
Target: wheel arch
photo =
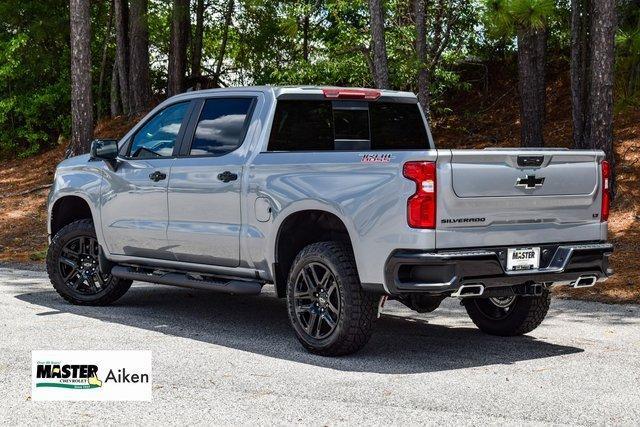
<point>67,209</point>
<point>299,229</point>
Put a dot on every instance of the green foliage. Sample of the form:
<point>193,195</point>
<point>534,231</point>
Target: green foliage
<point>337,43</point>
<point>532,13</point>
<point>266,46</point>
<point>34,72</point>
<point>340,44</point>
<point>498,18</point>
<point>503,17</point>
<point>628,42</point>
<point>628,57</point>
<point>159,31</point>
<point>34,75</point>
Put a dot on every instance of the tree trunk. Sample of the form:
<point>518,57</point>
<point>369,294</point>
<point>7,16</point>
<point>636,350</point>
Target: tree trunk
<point>196,51</point>
<point>366,52</point>
<point>381,74</point>
<point>223,44</point>
<point>305,38</point>
<point>532,46</point>
<point>600,117</point>
<point>178,47</point>
<point>421,52</point>
<point>579,69</point>
<point>139,81</point>
<point>103,64</point>
<point>114,104</point>
<point>122,51</point>
<point>81,99</point>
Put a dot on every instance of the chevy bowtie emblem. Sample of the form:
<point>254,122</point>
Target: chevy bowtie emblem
<point>529,182</point>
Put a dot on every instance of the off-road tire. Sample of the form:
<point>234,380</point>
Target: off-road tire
<point>527,313</point>
<point>114,288</point>
<point>357,309</point>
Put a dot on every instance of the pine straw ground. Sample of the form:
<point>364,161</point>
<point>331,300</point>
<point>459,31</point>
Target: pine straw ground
<point>480,121</point>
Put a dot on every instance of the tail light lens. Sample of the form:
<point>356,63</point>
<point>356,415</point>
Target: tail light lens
<point>606,190</point>
<point>421,206</point>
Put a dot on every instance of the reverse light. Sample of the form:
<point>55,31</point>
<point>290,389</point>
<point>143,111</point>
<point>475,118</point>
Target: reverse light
<point>421,206</point>
<point>606,190</point>
<point>368,94</point>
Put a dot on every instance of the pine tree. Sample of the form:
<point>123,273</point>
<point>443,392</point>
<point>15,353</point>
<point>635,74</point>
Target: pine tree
<point>139,82</point>
<point>178,47</point>
<point>528,20</point>
<point>81,98</point>
<point>380,68</point>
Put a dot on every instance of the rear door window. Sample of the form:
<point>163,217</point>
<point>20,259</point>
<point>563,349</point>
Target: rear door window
<point>347,126</point>
<point>302,126</point>
<point>221,126</point>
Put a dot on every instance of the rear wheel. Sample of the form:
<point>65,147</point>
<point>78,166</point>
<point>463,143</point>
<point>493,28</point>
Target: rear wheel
<point>508,316</point>
<point>72,265</point>
<point>330,312</point>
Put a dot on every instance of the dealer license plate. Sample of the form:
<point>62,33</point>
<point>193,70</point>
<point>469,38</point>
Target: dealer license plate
<point>523,259</point>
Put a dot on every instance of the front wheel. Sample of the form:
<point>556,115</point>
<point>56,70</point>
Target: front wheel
<point>330,312</point>
<point>72,265</point>
<point>508,316</point>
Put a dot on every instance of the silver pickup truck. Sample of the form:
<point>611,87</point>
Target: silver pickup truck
<point>336,196</point>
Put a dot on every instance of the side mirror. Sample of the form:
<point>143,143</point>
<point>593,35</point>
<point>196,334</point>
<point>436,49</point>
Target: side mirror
<point>105,149</point>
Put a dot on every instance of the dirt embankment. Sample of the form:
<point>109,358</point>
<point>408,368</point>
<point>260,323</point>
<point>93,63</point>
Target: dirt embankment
<point>24,185</point>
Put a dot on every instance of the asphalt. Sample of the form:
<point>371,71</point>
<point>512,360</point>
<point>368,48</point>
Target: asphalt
<point>222,359</point>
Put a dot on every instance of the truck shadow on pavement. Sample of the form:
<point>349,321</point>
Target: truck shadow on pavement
<point>400,344</point>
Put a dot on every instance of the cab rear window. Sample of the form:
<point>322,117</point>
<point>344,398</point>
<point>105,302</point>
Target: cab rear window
<point>397,126</point>
<point>305,125</point>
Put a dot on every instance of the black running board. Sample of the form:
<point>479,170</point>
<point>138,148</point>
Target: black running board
<point>187,280</point>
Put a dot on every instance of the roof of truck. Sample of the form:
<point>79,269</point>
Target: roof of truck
<point>299,90</point>
<point>279,91</point>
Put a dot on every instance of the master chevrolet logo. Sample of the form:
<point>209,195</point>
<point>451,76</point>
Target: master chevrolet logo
<point>91,375</point>
<point>67,376</point>
<point>529,182</point>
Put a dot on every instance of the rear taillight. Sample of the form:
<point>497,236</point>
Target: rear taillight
<point>421,206</point>
<point>606,190</point>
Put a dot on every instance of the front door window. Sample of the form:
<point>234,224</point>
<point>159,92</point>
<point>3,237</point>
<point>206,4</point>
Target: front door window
<point>158,136</point>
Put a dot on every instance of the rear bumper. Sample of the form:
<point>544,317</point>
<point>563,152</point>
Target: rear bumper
<point>443,272</point>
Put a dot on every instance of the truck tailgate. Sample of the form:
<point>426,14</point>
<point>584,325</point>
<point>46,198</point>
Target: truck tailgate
<point>517,197</point>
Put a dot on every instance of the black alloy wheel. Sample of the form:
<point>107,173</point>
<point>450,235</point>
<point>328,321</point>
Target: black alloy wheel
<point>74,270</point>
<point>79,267</point>
<point>317,300</point>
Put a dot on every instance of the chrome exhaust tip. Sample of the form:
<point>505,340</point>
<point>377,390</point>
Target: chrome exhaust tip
<point>584,282</point>
<point>465,291</point>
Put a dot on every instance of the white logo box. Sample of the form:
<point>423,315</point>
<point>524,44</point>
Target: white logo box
<point>91,375</point>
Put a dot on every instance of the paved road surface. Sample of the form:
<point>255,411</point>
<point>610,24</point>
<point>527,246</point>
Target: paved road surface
<point>233,360</point>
